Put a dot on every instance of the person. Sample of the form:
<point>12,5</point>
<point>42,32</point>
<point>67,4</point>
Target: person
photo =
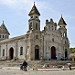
<point>69,65</point>
<point>44,66</point>
<point>25,65</point>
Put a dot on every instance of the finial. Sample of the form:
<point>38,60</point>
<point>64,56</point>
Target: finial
<point>34,3</point>
<point>61,15</point>
<point>3,22</point>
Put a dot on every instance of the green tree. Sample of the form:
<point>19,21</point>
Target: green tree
<point>72,50</point>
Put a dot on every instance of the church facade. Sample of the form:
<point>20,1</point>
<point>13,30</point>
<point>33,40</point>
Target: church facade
<point>50,43</point>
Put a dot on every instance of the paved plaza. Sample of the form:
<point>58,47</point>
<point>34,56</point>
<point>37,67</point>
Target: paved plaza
<point>17,71</point>
<point>13,68</point>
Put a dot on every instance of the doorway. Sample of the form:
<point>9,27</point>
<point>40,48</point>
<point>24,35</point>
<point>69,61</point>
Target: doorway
<point>36,52</point>
<point>53,52</point>
<point>11,53</point>
<point>66,53</point>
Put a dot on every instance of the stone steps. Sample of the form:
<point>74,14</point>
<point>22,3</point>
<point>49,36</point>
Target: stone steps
<point>37,64</point>
<point>51,63</point>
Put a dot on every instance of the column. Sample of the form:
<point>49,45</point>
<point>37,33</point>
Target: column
<point>25,51</point>
<point>16,56</point>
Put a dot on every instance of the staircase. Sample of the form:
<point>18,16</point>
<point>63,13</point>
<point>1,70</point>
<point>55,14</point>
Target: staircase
<point>38,64</point>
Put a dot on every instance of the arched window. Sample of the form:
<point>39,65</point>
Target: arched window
<point>36,36</point>
<point>36,26</point>
<point>21,50</point>
<point>3,52</point>
<point>64,34</point>
<point>52,28</point>
<point>31,16</point>
<point>52,39</point>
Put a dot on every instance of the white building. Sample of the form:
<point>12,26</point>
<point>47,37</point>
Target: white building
<point>50,43</point>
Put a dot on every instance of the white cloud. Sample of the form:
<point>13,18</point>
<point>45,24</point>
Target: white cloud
<point>24,4</point>
<point>17,3</point>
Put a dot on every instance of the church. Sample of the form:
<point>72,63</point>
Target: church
<point>50,43</point>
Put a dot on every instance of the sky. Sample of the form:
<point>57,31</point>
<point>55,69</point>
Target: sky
<point>15,15</point>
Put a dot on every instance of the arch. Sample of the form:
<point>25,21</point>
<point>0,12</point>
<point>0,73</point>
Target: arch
<point>36,52</point>
<point>53,52</point>
<point>66,54</point>
<point>11,53</point>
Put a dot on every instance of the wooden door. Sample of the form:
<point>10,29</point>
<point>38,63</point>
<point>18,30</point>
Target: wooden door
<point>53,52</point>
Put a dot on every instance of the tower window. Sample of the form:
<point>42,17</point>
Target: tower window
<point>21,50</point>
<point>36,36</point>
<point>31,16</point>
<point>36,17</point>
<point>64,34</point>
<point>0,36</point>
<point>52,28</point>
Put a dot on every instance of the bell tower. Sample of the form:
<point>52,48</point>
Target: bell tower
<point>34,22</point>
<point>62,27</point>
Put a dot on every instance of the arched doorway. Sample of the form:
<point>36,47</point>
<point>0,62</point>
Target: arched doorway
<point>36,52</point>
<point>11,53</point>
<point>66,53</point>
<point>53,52</point>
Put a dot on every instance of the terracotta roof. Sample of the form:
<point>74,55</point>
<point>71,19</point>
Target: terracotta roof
<point>34,10</point>
<point>13,39</point>
<point>72,55</point>
<point>61,21</point>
